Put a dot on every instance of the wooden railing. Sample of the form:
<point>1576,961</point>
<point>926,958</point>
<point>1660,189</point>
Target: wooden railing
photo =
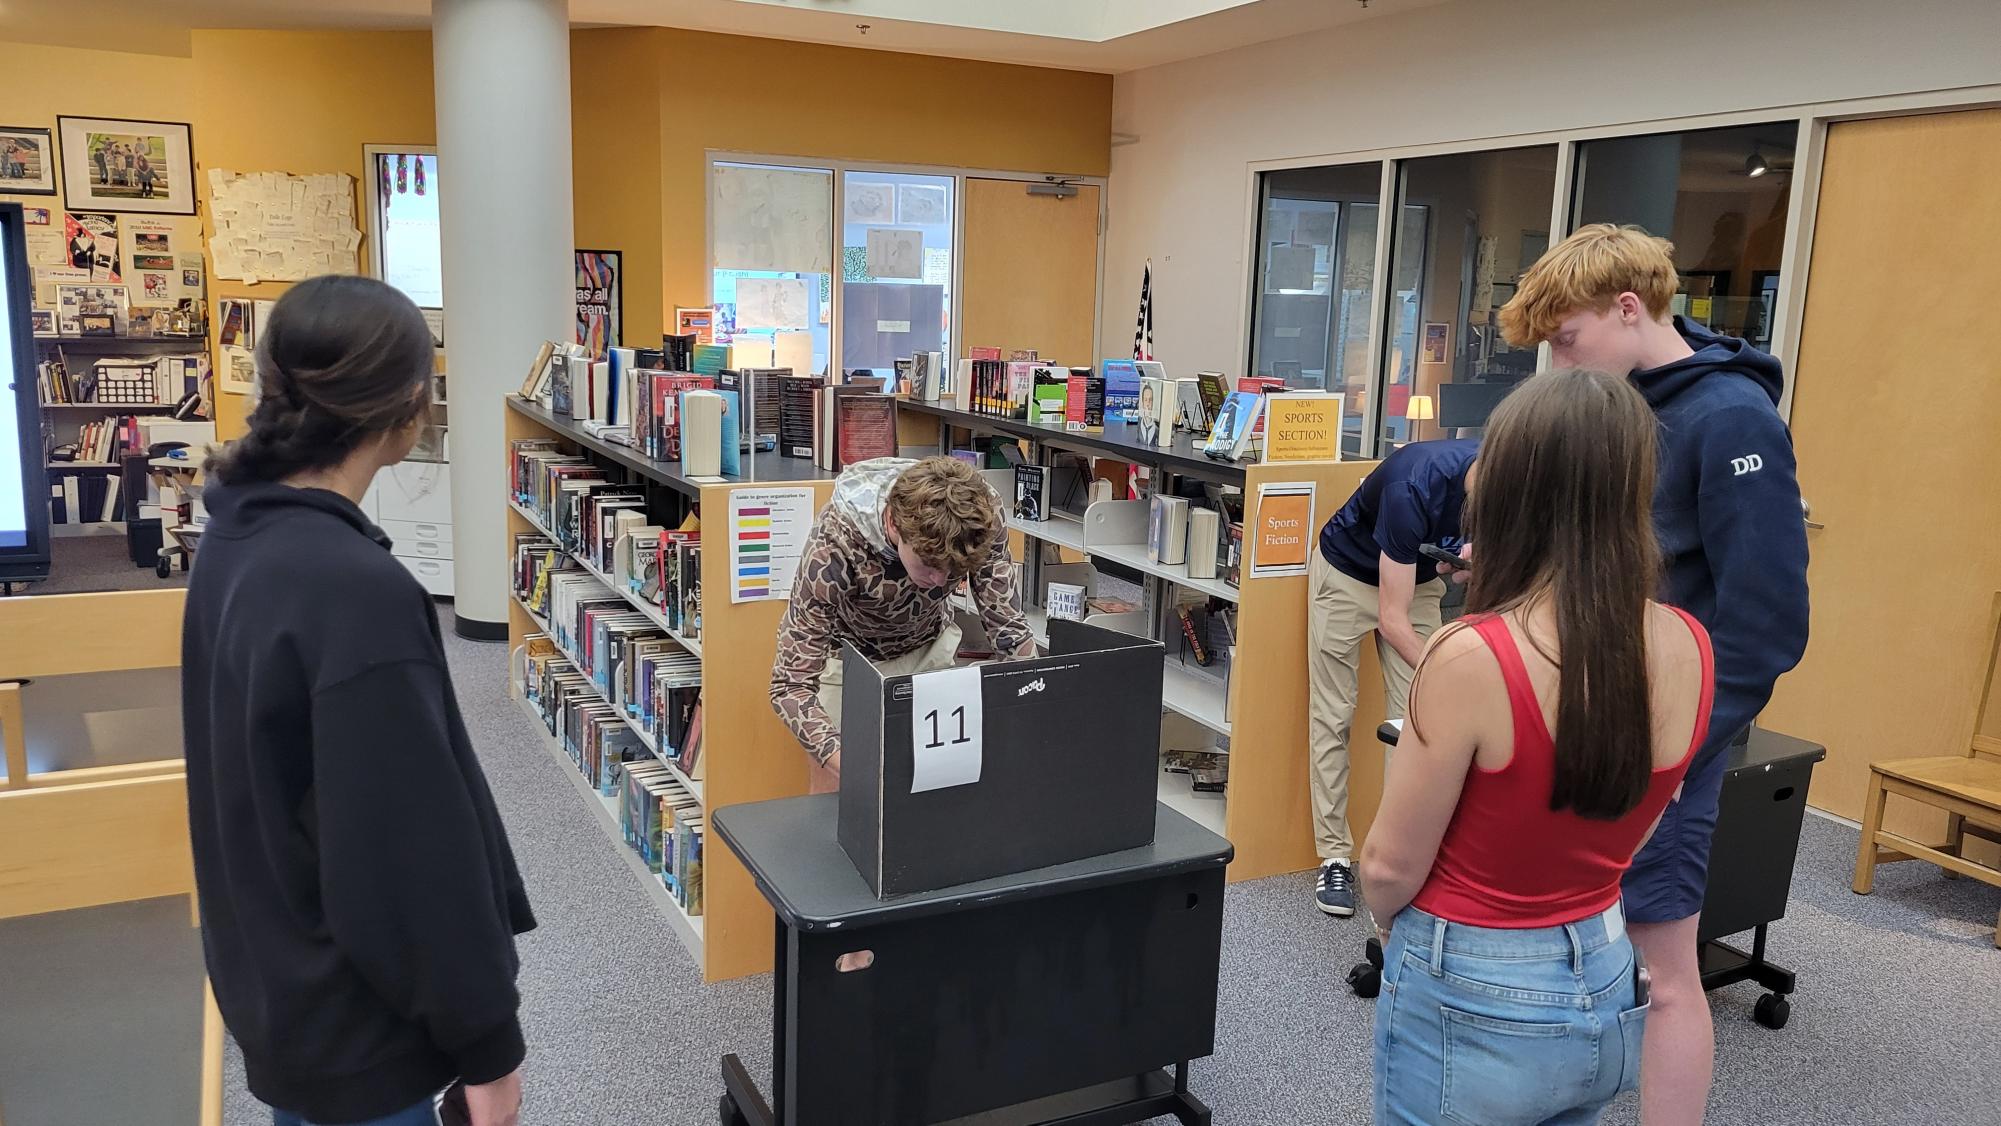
<point>103,834</point>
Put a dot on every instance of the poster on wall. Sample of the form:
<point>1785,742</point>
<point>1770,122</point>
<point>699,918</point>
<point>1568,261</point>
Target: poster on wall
<point>599,301</point>
<point>767,534</point>
<point>189,267</point>
<point>114,164</point>
<point>922,204</point>
<point>152,244</point>
<point>777,303</point>
<point>26,164</point>
<point>895,252</point>
<point>1437,342</point>
<point>870,202</point>
<point>698,323</point>
<point>92,243</point>
<point>45,238</point>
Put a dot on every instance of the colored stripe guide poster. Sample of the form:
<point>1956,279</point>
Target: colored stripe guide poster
<point>767,531</point>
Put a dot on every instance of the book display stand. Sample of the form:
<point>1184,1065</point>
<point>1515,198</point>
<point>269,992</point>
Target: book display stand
<point>1259,707</point>
<point>750,754</point>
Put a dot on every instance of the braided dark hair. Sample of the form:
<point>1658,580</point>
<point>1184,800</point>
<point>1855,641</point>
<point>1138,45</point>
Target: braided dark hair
<point>341,360</point>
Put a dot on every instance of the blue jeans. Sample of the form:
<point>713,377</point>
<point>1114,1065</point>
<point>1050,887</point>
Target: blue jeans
<point>422,1114</point>
<point>1493,1027</point>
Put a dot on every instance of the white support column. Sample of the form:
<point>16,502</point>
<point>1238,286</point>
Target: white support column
<point>502,75</point>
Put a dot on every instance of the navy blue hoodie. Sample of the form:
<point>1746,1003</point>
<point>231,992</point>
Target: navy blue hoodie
<point>1727,511</point>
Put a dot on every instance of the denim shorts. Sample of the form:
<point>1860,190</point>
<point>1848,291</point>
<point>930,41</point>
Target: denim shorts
<point>422,1114</point>
<point>1489,1027</point>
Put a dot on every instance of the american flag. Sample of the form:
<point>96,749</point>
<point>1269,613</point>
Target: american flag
<point>1143,331</point>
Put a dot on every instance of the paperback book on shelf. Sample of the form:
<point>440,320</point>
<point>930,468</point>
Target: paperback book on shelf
<point>1167,530</point>
<point>1158,409</point>
<point>1203,534</point>
<point>796,414</point>
<point>1121,389</point>
<point>865,428</point>
<point>1211,390</point>
<point>1084,409</point>
<point>1236,421</point>
<point>1031,492</point>
<point>701,418</point>
<point>1263,385</point>
<point>1049,394</point>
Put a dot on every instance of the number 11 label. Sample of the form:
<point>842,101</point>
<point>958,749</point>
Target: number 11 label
<point>946,729</point>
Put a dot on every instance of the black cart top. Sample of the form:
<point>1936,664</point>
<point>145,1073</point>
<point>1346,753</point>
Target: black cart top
<point>789,847</point>
<point>1766,750</point>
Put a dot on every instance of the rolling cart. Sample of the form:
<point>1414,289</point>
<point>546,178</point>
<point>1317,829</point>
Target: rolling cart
<point>181,522</point>
<point>1758,818</point>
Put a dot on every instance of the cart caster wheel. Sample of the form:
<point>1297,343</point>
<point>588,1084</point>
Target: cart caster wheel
<point>1772,1011</point>
<point>164,568</point>
<point>1365,979</point>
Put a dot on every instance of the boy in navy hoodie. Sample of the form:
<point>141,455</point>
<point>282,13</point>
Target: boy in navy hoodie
<point>1727,512</point>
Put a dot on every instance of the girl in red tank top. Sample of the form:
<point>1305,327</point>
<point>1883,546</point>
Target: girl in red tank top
<point>1546,733</point>
<point>1503,815</point>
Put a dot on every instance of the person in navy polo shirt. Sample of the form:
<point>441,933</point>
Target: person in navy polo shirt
<point>1369,577</point>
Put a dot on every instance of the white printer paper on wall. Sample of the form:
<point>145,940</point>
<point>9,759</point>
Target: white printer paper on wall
<point>273,226</point>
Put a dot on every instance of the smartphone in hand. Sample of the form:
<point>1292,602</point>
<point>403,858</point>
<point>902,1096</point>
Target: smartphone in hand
<point>1450,559</point>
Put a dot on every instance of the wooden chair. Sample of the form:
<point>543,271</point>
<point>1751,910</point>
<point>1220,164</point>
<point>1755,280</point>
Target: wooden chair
<point>1966,786</point>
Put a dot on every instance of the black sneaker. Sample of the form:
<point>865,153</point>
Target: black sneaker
<point>1335,891</point>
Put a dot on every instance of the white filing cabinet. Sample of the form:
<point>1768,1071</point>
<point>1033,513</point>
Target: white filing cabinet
<point>412,502</point>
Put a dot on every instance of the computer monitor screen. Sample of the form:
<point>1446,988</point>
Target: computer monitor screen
<point>24,505</point>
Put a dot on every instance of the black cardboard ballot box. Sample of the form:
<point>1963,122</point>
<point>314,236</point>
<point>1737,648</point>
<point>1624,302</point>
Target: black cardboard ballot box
<point>1066,757</point>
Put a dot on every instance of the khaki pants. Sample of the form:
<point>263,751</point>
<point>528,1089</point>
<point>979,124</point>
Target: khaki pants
<point>938,655</point>
<point>1342,613</point>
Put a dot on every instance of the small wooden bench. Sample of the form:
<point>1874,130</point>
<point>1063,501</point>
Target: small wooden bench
<point>1966,786</point>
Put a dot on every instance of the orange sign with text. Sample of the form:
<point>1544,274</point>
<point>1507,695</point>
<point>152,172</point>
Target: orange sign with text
<point>1284,532</point>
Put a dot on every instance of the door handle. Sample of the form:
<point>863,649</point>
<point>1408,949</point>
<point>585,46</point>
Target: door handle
<point>1806,514</point>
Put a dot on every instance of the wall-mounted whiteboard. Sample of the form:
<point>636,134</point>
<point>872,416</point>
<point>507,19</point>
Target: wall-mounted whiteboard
<point>772,218</point>
<point>274,226</point>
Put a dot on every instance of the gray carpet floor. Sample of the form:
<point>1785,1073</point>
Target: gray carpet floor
<point>82,564</point>
<point>1897,1018</point>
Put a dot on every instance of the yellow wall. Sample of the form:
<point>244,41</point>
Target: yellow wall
<point>303,102</point>
<point>615,107</point>
<point>777,98</point>
<point>648,105</point>
<point>38,82</point>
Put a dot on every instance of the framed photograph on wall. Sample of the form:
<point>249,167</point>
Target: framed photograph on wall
<point>27,161</point>
<point>114,164</point>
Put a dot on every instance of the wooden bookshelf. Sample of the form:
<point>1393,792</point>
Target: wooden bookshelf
<point>749,754</point>
<point>1265,811</point>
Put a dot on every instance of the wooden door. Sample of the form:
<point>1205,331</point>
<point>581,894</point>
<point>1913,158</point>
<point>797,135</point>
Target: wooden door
<point>1030,271</point>
<point>1894,416</point>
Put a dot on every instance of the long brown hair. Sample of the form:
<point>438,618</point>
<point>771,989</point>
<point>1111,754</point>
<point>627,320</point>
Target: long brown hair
<point>341,360</point>
<point>1562,509</point>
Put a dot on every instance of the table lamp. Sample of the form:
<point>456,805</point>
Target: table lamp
<point>1418,410</point>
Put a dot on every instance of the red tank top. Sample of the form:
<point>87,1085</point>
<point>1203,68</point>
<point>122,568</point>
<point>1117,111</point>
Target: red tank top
<point>1510,861</point>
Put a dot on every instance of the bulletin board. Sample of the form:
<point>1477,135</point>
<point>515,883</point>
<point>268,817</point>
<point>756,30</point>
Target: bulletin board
<point>274,226</point>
